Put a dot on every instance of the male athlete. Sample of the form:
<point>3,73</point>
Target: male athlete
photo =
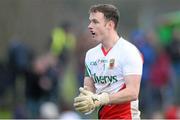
<point>113,69</point>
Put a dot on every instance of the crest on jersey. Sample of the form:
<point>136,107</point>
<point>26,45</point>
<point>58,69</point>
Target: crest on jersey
<point>111,63</point>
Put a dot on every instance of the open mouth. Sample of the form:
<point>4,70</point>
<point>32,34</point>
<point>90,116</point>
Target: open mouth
<point>93,33</point>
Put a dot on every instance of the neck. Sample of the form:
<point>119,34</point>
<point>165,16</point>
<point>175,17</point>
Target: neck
<point>110,41</point>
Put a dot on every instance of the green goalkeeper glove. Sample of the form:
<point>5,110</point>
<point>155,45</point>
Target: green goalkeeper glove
<point>87,101</point>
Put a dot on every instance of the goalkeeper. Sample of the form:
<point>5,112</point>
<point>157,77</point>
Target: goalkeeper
<point>113,69</point>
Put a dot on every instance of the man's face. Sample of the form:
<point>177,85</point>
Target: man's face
<point>98,26</point>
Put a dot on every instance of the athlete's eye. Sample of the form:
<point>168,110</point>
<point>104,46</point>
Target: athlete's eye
<point>95,21</point>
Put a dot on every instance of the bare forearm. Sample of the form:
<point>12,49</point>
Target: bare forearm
<point>123,96</point>
<point>130,93</point>
<point>88,82</point>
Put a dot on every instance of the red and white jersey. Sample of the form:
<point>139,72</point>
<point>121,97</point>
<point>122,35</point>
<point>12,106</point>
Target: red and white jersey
<point>108,70</point>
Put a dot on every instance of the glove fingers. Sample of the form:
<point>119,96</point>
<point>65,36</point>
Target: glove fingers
<point>82,106</point>
<point>84,102</point>
<point>79,104</point>
<point>84,91</point>
<point>83,109</point>
<point>80,98</point>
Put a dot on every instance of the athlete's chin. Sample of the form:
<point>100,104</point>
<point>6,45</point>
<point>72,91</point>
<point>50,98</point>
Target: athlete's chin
<point>94,36</point>
<point>95,39</point>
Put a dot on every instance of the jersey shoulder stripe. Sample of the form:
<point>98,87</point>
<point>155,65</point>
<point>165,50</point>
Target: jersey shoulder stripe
<point>87,71</point>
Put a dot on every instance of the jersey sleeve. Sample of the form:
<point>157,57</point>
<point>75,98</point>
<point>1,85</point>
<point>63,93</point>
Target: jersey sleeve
<point>133,63</point>
<point>87,67</point>
<point>87,71</point>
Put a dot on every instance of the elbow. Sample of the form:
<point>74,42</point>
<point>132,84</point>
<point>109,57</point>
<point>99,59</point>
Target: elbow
<point>133,96</point>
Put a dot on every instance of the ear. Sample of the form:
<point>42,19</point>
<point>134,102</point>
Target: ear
<point>110,24</point>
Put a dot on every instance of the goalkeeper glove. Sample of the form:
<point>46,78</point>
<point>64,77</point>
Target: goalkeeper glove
<point>102,98</point>
<point>87,101</point>
<point>84,104</point>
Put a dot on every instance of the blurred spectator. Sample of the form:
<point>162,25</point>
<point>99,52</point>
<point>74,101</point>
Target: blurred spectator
<point>174,51</point>
<point>160,81</point>
<point>62,47</point>
<point>20,58</point>
<point>62,43</point>
<point>41,84</point>
<point>140,39</point>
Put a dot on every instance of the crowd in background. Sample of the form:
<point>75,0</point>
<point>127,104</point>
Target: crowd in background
<point>43,86</point>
